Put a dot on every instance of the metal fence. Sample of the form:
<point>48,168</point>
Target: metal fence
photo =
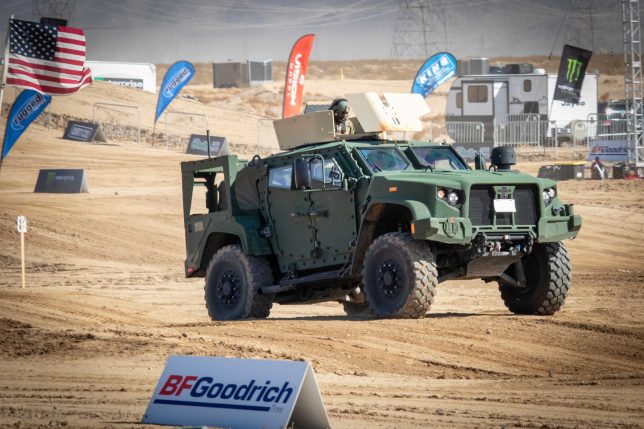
<point>119,121</point>
<point>607,127</point>
<point>180,125</point>
<point>465,132</point>
<point>513,130</point>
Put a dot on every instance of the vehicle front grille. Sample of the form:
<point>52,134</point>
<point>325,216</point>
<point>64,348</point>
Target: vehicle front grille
<point>481,205</point>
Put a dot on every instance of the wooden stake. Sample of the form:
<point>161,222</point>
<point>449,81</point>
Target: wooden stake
<point>22,257</point>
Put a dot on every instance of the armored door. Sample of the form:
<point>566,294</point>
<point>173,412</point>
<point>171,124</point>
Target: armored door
<point>290,230</point>
<point>333,215</point>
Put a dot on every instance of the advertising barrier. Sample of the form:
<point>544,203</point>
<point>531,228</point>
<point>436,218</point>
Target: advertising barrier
<point>468,150</point>
<point>236,393</point>
<point>66,181</point>
<point>608,150</point>
<point>84,132</point>
<point>198,145</point>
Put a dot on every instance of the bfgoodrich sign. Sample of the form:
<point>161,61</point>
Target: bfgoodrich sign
<point>236,393</point>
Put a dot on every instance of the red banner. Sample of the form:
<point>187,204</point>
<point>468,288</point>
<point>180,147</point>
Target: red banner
<point>295,73</point>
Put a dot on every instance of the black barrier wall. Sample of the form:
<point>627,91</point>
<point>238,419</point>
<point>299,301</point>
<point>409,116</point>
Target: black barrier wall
<point>84,132</point>
<point>561,172</point>
<point>468,151</point>
<point>197,145</point>
<point>66,181</point>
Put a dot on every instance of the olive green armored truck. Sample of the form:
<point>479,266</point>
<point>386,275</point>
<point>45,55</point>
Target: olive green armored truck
<point>371,222</point>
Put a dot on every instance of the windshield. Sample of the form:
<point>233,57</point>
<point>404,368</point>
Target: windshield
<point>439,158</point>
<point>384,158</point>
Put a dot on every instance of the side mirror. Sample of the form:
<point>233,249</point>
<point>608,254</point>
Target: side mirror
<point>301,174</point>
<point>479,162</point>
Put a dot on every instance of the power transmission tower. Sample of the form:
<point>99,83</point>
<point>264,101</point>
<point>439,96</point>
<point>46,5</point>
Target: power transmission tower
<point>62,9</point>
<point>420,30</point>
<point>580,29</point>
<point>633,79</point>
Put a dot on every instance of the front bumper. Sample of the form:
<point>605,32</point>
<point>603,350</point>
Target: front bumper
<point>459,230</point>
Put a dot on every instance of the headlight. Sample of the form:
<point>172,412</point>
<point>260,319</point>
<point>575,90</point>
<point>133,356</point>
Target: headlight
<point>548,195</point>
<point>452,198</point>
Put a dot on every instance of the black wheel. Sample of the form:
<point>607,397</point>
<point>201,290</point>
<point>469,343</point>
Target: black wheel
<point>399,276</point>
<point>232,282</point>
<point>548,273</point>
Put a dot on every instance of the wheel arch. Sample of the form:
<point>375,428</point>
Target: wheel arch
<point>216,241</point>
<point>380,218</point>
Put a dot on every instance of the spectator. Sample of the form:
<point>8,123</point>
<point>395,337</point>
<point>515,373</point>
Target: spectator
<point>597,170</point>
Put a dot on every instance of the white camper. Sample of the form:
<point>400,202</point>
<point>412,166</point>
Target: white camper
<point>488,98</point>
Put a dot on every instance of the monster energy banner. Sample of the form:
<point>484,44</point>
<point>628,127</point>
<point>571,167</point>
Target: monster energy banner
<point>572,70</point>
<point>67,181</point>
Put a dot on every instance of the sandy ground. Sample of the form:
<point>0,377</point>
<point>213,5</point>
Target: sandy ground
<point>106,302</point>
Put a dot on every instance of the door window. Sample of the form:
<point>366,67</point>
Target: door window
<point>280,177</point>
<point>329,177</point>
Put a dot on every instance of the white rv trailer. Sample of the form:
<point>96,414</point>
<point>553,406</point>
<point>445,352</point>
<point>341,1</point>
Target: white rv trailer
<point>489,97</point>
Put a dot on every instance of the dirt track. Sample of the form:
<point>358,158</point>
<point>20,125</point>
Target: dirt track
<point>106,304</point>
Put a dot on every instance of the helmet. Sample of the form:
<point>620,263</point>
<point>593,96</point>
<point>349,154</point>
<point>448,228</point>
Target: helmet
<point>340,107</point>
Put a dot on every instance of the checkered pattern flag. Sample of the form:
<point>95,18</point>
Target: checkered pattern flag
<point>48,59</point>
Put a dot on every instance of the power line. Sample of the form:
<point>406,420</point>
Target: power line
<point>421,30</point>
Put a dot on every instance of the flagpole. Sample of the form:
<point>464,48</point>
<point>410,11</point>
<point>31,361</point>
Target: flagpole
<point>5,64</point>
<point>5,69</point>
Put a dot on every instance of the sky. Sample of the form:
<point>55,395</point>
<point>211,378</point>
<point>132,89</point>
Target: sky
<point>164,31</point>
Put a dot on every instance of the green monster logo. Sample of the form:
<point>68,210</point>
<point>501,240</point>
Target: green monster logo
<point>574,70</point>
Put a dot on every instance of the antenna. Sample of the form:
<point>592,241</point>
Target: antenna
<point>420,30</point>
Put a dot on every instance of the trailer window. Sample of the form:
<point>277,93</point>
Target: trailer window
<point>459,100</point>
<point>477,94</point>
<point>527,85</point>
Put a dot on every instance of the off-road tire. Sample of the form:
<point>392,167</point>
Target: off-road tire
<point>399,276</point>
<point>548,273</point>
<point>232,283</point>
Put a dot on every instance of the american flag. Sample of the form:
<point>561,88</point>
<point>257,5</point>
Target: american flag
<point>47,59</point>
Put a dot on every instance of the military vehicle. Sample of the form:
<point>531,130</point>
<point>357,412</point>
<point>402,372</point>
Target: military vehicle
<point>369,221</point>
